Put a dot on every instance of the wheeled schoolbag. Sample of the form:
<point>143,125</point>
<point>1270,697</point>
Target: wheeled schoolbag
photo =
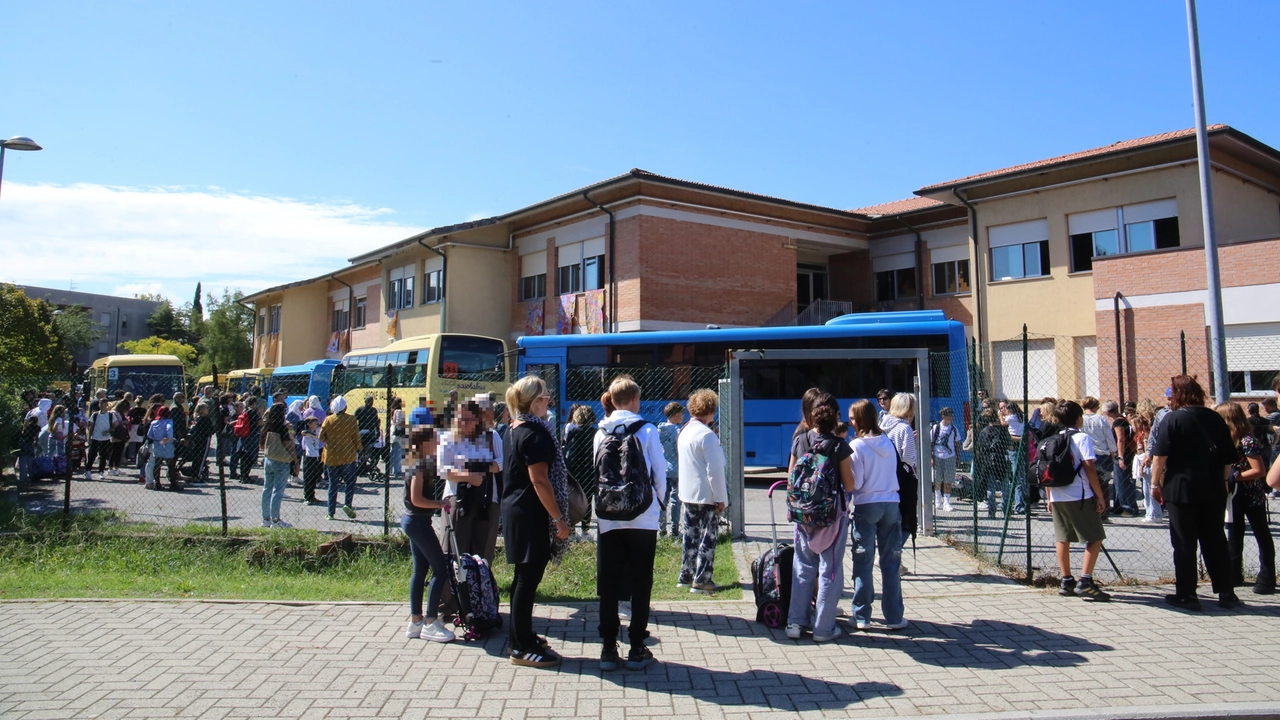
<point>771,584</point>
<point>474,588</point>
<point>813,490</point>
<point>624,486</point>
<point>1055,466</point>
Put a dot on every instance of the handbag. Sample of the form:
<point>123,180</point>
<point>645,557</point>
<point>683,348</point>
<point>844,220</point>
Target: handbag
<point>578,507</point>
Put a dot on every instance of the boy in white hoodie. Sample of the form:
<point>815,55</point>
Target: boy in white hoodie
<point>625,549</point>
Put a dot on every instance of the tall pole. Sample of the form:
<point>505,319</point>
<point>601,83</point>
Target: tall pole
<point>1213,306</point>
<point>2,168</point>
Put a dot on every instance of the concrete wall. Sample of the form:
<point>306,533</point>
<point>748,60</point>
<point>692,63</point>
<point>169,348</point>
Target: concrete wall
<point>304,324</point>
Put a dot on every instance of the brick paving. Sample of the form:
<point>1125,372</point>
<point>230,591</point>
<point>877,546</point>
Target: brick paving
<point>977,645</point>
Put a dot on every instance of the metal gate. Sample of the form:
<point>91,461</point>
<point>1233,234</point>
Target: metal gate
<point>731,410</point>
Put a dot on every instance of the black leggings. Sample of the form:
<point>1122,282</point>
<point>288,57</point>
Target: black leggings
<point>99,450</point>
<point>1257,517</point>
<point>523,591</point>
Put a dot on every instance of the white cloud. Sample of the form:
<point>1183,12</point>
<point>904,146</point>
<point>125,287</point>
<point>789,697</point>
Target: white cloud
<point>132,240</point>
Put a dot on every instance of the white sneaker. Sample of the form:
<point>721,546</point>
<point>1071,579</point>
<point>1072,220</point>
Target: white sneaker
<point>835,633</point>
<point>88,475</point>
<point>437,632</point>
<point>267,523</point>
<point>937,502</point>
<point>624,609</point>
<point>861,624</point>
<point>414,631</point>
<point>793,631</point>
<point>280,524</point>
<point>898,625</point>
<point>946,507</point>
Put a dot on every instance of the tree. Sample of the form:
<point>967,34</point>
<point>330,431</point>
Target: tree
<point>29,342</point>
<point>160,346</point>
<point>228,334</point>
<point>77,329</point>
<point>168,324</point>
<point>196,315</point>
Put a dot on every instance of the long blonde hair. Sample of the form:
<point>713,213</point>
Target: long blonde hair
<point>523,392</point>
<point>1236,420</point>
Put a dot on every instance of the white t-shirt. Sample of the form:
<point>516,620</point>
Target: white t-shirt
<point>454,452</point>
<point>1015,425</point>
<point>1079,489</point>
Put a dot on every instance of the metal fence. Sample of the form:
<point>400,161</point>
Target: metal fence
<point>997,516</point>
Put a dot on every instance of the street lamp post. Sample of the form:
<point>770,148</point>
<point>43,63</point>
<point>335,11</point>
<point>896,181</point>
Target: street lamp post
<point>16,142</point>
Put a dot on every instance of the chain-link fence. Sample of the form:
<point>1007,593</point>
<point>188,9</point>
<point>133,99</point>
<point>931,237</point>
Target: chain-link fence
<point>996,514</point>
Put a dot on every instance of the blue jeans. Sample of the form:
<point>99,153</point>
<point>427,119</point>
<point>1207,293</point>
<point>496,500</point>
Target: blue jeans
<point>672,509</point>
<point>1126,491</point>
<point>397,455</point>
<point>345,474</point>
<point>877,525</point>
<point>826,570</point>
<point>275,476</point>
<point>1154,510</point>
<point>26,464</point>
<point>427,553</point>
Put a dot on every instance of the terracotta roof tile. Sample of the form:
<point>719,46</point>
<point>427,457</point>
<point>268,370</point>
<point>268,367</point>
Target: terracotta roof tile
<point>1083,154</point>
<point>898,206</point>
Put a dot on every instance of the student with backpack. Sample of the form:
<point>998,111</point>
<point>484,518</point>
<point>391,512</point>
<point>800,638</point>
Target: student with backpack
<point>946,439</point>
<point>1064,466</point>
<point>877,520</point>
<point>630,485</point>
<point>669,432</point>
<point>703,493</point>
<point>820,477</point>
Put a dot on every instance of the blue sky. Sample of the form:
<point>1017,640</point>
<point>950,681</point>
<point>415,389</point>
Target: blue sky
<point>382,118</point>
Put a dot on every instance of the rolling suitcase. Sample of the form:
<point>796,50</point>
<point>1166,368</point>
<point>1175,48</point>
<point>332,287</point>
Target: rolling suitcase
<point>771,575</point>
<point>474,588</point>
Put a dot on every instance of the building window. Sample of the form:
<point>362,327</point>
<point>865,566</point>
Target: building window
<point>593,273</point>
<point>273,322</point>
<point>1251,382</point>
<point>433,286</point>
<point>262,322</point>
<point>533,287</point>
<point>1087,246</point>
<point>400,293</point>
<point>341,316</point>
<point>570,280</point>
<point>895,284</point>
<point>361,311</point>
<point>951,278</point>
<point>1152,234</point>
<point>1012,262</point>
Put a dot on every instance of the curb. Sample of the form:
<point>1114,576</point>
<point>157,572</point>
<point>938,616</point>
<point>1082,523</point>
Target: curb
<point>1240,711</point>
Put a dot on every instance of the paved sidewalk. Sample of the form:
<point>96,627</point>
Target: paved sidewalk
<point>974,647</point>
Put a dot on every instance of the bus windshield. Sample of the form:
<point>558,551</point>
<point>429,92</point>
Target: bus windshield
<point>468,355</point>
<point>145,381</point>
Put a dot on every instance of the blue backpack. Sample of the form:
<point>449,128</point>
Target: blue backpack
<point>813,490</point>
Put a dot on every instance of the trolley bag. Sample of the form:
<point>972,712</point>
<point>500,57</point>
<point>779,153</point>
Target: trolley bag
<point>42,467</point>
<point>474,588</point>
<point>771,575</point>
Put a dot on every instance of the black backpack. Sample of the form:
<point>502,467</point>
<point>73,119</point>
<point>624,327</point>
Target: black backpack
<point>624,486</point>
<point>1055,466</point>
<point>908,495</point>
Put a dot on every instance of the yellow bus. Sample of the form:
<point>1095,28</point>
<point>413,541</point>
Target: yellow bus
<point>142,375</point>
<point>241,382</point>
<point>426,365</point>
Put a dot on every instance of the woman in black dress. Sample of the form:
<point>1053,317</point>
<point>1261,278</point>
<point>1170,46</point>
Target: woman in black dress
<point>535,512</point>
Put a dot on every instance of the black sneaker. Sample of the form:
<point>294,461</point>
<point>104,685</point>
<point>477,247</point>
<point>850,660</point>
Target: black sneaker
<point>1264,588</point>
<point>540,657</point>
<point>639,658</point>
<point>1228,600</point>
<point>1188,602</point>
<point>1090,592</point>
<point>609,657</point>
<point>1068,587</point>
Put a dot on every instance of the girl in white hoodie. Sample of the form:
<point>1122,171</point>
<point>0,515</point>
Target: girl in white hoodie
<point>876,520</point>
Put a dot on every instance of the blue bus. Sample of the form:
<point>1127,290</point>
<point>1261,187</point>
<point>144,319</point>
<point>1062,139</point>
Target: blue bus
<point>670,365</point>
<point>303,381</point>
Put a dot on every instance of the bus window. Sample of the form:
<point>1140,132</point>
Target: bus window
<point>597,355</point>
<point>467,355</point>
<point>293,384</point>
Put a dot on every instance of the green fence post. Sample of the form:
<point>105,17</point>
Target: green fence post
<point>386,480</point>
<point>1184,351</point>
<point>1024,450</point>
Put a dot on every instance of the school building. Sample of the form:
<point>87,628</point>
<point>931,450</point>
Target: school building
<point>1048,243</point>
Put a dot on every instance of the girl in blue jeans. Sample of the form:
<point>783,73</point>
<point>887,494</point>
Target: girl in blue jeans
<point>819,552</point>
<point>427,553</point>
<point>877,521</point>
